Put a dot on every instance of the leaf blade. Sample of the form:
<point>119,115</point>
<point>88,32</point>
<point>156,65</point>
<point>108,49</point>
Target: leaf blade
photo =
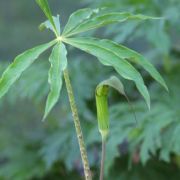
<point>109,58</point>
<point>20,64</point>
<point>137,58</point>
<point>106,19</point>
<point>58,63</point>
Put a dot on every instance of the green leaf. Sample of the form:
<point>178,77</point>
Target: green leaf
<point>45,8</point>
<point>58,62</point>
<point>77,18</point>
<point>47,24</point>
<point>106,19</point>
<point>108,57</point>
<point>20,64</point>
<point>134,57</point>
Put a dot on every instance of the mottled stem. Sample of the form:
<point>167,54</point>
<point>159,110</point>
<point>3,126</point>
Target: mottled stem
<point>77,126</point>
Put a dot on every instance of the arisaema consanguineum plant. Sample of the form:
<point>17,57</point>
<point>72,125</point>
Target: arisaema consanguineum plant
<point>109,53</point>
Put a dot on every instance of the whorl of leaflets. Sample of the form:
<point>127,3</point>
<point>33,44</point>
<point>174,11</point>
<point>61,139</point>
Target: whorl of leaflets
<point>109,53</point>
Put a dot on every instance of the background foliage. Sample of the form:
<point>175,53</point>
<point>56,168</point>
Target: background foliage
<point>30,149</point>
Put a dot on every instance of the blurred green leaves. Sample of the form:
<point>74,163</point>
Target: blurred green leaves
<point>156,130</point>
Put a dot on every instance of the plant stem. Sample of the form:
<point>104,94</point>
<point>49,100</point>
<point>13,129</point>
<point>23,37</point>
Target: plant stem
<point>77,126</point>
<point>103,159</point>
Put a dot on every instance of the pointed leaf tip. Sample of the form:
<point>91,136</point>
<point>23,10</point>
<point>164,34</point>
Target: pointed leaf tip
<point>43,119</point>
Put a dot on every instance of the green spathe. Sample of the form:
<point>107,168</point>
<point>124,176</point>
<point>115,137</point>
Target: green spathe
<point>102,103</point>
